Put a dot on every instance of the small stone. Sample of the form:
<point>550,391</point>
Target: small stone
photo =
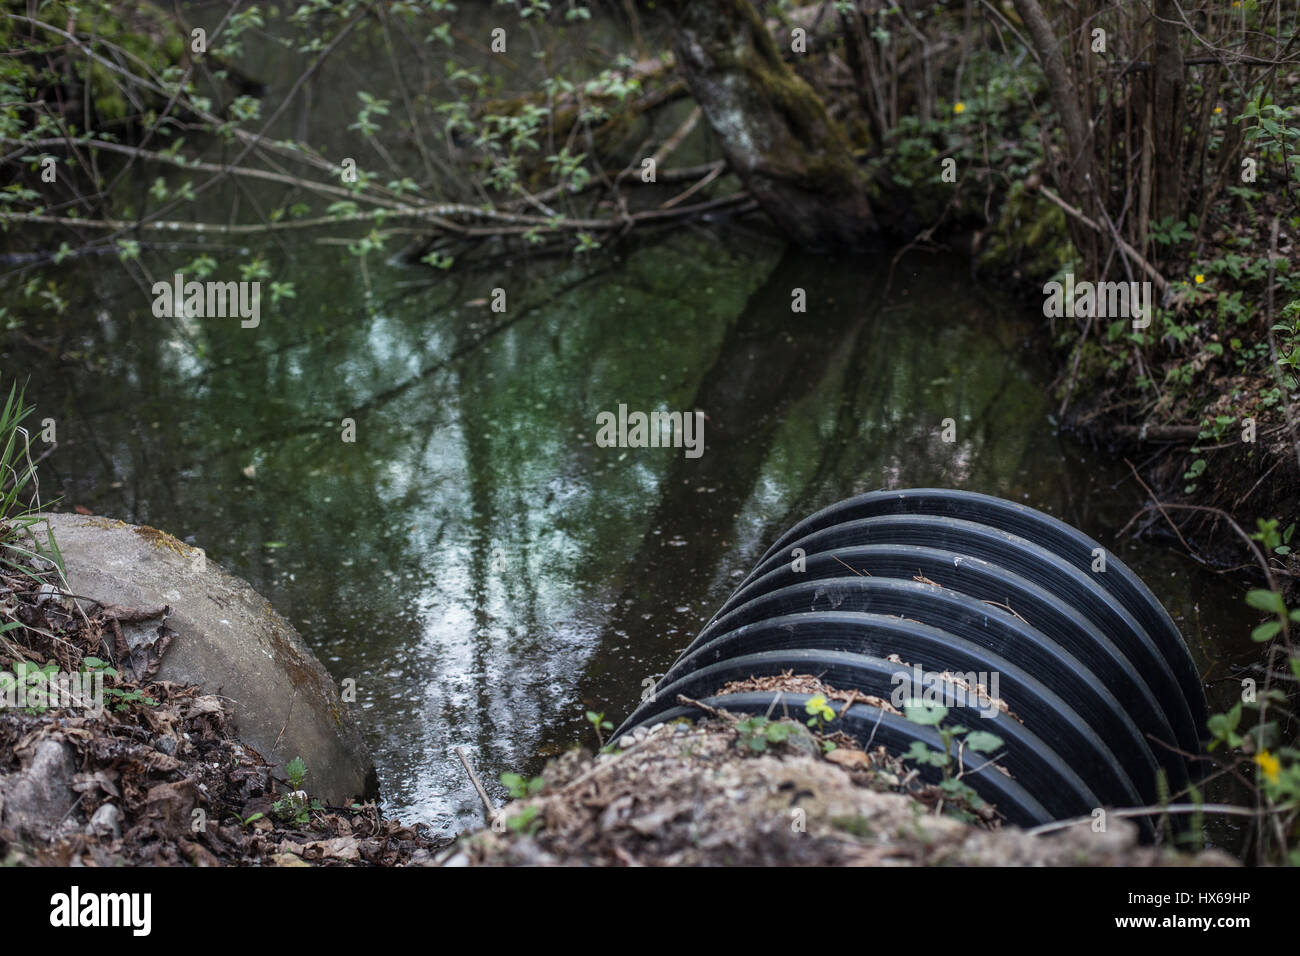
<point>849,759</point>
<point>801,741</point>
<point>626,741</point>
<point>106,822</point>
<point>35,800</point>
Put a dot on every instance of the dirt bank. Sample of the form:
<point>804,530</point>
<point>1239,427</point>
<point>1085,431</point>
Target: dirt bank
<point>686,794</point>
<point>165,782</point>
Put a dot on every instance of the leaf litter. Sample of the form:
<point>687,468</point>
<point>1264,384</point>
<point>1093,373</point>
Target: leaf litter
<point>158,777</point>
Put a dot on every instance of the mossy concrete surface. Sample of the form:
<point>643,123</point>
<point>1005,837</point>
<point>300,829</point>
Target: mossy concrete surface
<point>228,640</point>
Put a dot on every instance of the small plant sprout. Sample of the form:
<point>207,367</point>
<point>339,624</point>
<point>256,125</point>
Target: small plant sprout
<point>19,506</point>
<point>757,732</point>
<point>599,722</point>
<point>296,771</point>
<point>294,806</point>
<point>93,665</point>
<point>525,821</point>
<point>819,712</point>
<point>519,786</point>
<point>978,741</point>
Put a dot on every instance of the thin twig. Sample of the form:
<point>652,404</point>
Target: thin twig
<point>488,808</point>
<point>1222,808</point>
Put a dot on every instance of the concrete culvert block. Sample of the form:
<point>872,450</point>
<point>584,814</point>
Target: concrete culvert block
<point>228,640</point>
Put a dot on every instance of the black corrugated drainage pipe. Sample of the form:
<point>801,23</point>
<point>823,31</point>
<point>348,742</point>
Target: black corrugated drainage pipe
<point>1091,688</point>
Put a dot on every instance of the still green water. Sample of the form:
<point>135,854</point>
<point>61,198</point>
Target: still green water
<point>473,560</point>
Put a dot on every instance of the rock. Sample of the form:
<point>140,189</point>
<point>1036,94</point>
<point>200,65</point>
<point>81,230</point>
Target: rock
<point>339,848</point>
<point>227,639</point>
<point>197,854</point>
<point>171,804</point>
<point>801,741</point>
<point>106,822</point>
<point>36,800</point>
<point>849,759</point>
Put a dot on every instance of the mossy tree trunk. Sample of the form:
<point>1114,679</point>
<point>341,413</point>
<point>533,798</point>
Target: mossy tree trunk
<point>774,128</point>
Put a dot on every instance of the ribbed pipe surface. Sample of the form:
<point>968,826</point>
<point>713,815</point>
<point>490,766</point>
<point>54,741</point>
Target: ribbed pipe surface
<point>1096,692</point>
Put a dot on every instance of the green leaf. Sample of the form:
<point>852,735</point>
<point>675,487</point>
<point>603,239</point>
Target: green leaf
<point>981,741</point>
<point>296,771</point>
<point>1269,601</point>
<point>1223,726</point>
<point>927,715</point>
<point>921,754</point>
<point>918,752</point>
<point>778,733</point>
<point>1234,716</point>
<point>515,785</point>
<point>1266,631</point>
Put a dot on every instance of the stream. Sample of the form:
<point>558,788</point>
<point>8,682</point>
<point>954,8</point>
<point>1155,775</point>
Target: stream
<point>482,569</point>
<point>474,560</point>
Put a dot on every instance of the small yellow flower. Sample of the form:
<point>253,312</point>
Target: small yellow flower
<point>1269,764</point>
<point>1199,278</point>
<point>959,108</point>
<point>1218,109</point>
<point>818,708</point>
